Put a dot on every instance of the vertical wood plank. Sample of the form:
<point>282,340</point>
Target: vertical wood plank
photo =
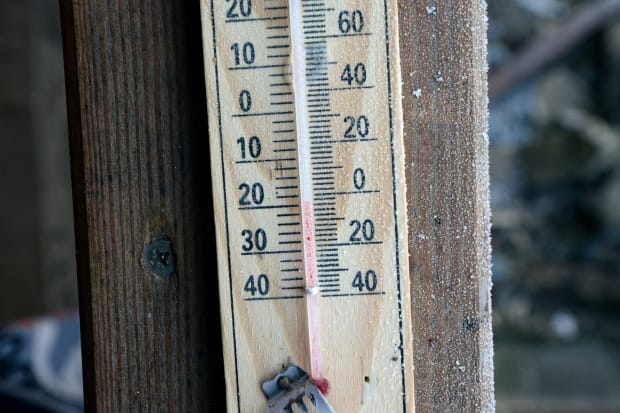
<point>443,60</point>
<point>141,186</point>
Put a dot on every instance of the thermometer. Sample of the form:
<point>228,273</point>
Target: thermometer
<point>305,130</point>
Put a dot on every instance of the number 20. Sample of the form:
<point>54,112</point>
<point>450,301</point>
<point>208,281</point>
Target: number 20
<point>243,6</point>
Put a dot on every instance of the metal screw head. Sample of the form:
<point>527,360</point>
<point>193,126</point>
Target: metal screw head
<point>159,258</point>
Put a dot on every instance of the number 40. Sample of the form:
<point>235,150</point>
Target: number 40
<point>366,281</point>
<point>259,284</point>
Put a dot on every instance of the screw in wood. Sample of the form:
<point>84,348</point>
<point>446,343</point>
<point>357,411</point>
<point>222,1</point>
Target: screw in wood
<point>158,257</point>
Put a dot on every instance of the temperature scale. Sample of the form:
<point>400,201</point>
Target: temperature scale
<point>308,177</point>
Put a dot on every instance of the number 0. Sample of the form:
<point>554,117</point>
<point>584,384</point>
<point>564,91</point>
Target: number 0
<point>245,101</point>
<point>359,179</point>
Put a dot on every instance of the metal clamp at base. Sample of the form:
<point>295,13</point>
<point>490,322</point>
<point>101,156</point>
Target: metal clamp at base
<point>293,387</point>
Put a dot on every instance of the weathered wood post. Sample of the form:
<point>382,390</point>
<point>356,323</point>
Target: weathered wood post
<point>443,55</point>
<point>141,186</point>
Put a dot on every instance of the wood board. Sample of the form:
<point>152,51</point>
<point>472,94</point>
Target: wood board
<point>355,171</point>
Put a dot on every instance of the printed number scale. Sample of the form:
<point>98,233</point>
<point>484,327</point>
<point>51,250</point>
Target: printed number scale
<point>307,165</point>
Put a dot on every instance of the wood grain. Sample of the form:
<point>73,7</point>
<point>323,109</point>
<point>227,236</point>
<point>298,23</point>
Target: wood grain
<point>364,328</point>
<point>141,172</point>
<point>443,60</point>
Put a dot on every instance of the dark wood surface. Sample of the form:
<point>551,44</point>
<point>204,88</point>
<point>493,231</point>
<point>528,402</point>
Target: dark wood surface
<point>443,60</point>
<point>138,135</point>
<point>139,139</point>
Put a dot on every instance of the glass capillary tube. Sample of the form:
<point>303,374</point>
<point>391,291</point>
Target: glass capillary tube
<point>305,186</point>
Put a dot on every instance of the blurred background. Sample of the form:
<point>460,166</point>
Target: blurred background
<point>555,197</point>
<point>555,193</point>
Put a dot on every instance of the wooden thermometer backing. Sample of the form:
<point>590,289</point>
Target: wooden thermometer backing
<point>349,229</point>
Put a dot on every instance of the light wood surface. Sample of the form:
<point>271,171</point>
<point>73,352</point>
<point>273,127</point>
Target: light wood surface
<point>360,217</point>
